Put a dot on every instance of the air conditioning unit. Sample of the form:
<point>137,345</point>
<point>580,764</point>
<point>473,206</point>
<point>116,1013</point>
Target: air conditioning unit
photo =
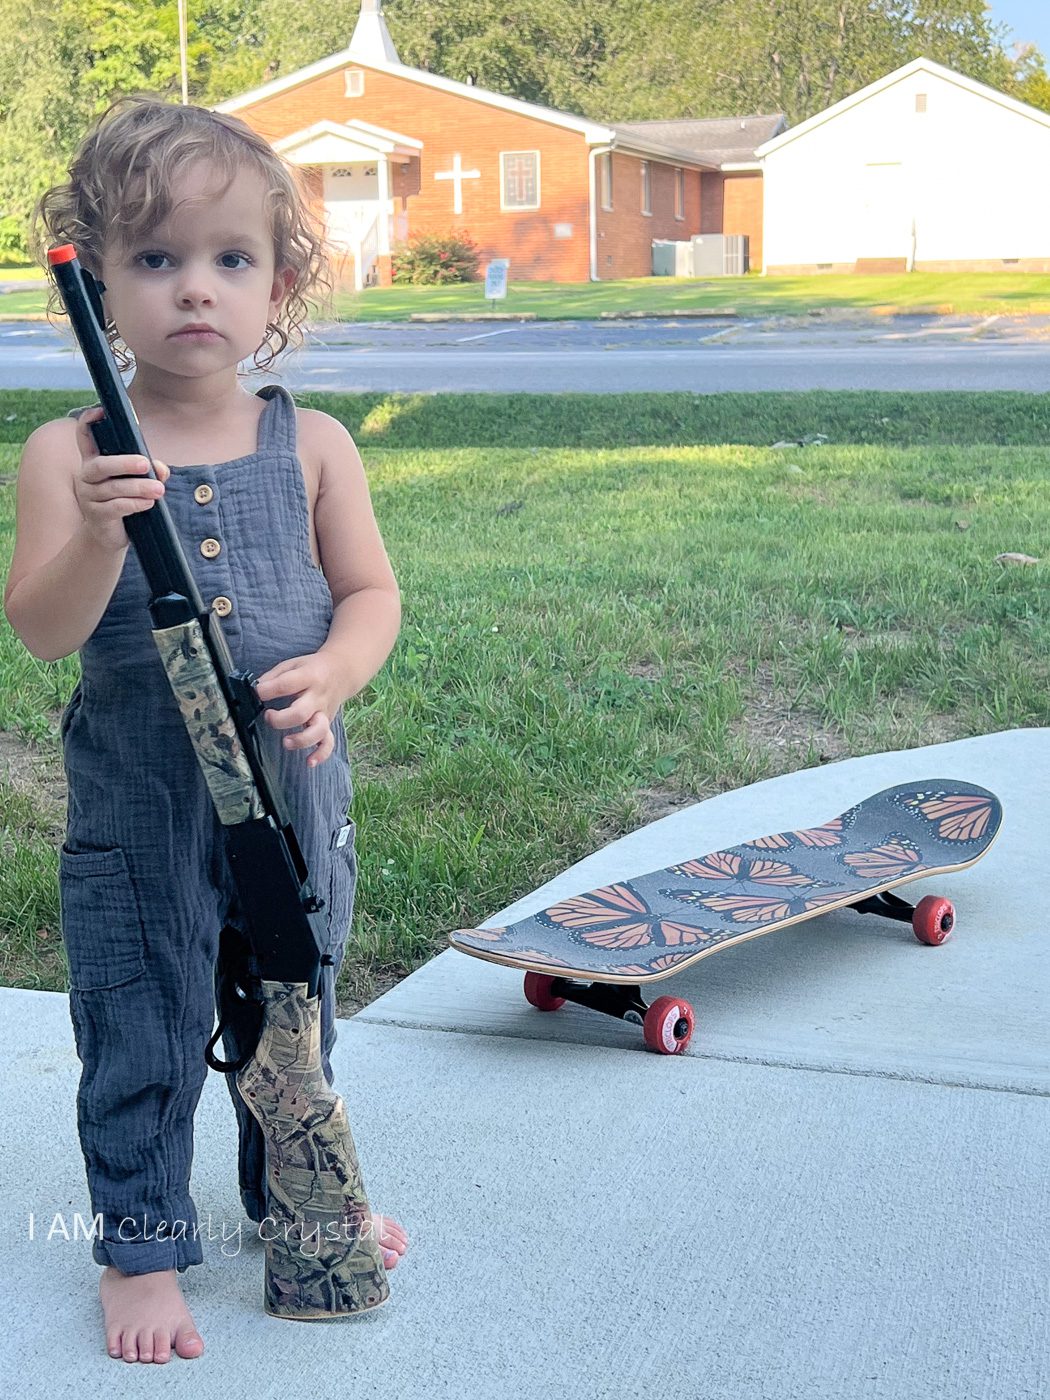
<point>671,259</point>
<point>719,254</point>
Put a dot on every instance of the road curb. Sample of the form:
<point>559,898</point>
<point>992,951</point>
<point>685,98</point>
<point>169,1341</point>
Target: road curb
<point>700,313</point>
<point>437,316</point>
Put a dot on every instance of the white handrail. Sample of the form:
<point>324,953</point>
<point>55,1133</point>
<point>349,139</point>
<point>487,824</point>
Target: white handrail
<point>366,250</point>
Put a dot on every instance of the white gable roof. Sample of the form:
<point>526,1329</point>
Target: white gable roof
<point>592,133</point>
<point>917,65</point>
<point>328,143</point>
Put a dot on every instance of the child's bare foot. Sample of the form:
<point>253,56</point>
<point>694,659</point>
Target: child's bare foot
<point>392,1240</point>
<point>145,1315</point>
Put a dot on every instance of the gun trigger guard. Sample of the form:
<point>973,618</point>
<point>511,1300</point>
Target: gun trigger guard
<point>224,1066</point>
<point>226,1019</point>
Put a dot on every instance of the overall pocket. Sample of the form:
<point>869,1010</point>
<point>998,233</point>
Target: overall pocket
<point>342,883</point>
<point>101,922</point>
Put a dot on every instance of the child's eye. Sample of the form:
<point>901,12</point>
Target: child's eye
<point>235,260</point>
<point>152,260</point>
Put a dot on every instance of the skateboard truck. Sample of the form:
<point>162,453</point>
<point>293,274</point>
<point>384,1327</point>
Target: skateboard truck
<point>667,1025</point>
<point>932,919</point>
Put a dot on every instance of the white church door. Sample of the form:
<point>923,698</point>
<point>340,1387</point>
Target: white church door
<point>351,197</point>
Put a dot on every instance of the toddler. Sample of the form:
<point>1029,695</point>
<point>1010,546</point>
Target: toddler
<point>207,250</point>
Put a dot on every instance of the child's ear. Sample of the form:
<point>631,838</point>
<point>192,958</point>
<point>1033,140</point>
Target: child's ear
<point>282,283</point>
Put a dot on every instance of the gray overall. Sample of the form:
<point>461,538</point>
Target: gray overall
<point>146,895</point>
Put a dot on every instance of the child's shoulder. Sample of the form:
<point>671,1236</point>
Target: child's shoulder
<point>323,438</point>
<point>57,429</point>
<point>52,442</point>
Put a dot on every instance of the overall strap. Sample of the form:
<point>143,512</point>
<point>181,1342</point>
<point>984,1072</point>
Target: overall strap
<point>277,423</point>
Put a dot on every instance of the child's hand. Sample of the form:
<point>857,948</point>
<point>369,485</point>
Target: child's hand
<point>103,499</point>
<point>312,681</point>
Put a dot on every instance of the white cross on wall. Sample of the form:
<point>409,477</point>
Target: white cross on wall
<point>457,175</point>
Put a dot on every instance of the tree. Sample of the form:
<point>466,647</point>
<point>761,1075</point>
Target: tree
<point>61,67</point>
<point>1030,81</point>
<point>790,56</point>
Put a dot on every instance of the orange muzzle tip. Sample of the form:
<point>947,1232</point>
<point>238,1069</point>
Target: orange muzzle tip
<point>62,254</point>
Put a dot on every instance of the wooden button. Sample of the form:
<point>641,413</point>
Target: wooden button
<point>222,606</point>
<point>203,495</point>
<point>211,548</point>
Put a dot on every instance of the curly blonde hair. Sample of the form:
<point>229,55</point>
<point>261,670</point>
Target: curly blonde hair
<point>119,188</point>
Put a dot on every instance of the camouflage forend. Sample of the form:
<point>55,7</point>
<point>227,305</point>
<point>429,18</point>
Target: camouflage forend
<point>322,1258</point>
<point>187,661</point>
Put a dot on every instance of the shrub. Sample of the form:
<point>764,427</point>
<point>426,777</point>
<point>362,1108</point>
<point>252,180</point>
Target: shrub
<point>434,260</point>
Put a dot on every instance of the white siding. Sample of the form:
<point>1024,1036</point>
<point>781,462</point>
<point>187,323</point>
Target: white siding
<point>963,181</point>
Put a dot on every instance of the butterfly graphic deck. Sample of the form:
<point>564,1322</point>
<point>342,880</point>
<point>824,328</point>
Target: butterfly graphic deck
<point>651,926</point>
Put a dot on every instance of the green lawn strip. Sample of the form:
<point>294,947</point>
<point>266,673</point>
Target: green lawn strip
<point>439,421</point>
<point>986,293</point>
<point>592,634</point>
<point>31,303</point>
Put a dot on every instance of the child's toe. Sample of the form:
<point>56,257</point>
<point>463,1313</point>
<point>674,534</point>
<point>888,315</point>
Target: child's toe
<point>188,1342</point>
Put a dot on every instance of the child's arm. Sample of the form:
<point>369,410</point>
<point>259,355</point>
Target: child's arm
<point>367,602</point>
<point>70,540</point>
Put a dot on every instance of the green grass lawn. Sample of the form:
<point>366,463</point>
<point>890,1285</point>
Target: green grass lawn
<point>594,633</point>
<point>971,292</point>
<point>751,296</point>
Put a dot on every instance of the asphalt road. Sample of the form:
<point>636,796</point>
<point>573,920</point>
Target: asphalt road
<point>702,356</point>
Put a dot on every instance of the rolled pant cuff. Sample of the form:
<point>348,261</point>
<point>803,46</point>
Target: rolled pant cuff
<point>254,1203</point>
<point>148,1256</point>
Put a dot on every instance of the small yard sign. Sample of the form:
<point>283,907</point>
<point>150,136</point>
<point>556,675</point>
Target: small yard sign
<point>496,279</point>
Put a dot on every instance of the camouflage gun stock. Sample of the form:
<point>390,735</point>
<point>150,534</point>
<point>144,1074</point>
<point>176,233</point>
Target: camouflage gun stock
<point>322,1257</point>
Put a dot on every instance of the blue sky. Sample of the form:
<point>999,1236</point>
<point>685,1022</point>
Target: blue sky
<point>1027,19</point>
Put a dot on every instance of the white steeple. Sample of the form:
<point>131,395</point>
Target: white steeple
<point>371,38</point>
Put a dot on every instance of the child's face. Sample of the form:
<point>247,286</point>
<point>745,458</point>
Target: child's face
<point>192,297</point>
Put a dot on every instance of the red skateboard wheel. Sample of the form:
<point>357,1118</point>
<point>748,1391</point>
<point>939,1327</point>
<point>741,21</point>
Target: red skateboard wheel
<point>538,992</point>
<point>668,1025</point>
<point>933,920</point>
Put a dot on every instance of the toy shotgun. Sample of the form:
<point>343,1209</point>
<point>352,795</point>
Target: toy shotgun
<point>322,1260</point>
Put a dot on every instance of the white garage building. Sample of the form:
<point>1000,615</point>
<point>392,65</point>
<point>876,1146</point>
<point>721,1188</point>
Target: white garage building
<point>924,169</point>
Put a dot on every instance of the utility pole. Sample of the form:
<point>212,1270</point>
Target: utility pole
<point>182,53</point>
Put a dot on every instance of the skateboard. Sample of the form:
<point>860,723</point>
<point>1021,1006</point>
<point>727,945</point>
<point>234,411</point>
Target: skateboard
<point>641,930</point>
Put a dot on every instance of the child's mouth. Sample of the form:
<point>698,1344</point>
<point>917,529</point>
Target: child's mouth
<point>196,333</point>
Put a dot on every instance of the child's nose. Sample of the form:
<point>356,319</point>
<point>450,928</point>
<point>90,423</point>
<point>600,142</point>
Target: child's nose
<point>195,290</point>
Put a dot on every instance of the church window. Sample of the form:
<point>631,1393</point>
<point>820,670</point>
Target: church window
<point>519,179</point>
<point>607,180</point>
<point>679,192</point>
<point>355,82</point>
<point>647,188</point>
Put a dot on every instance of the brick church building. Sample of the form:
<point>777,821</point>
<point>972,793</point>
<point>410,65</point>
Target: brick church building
<point>392,150</point>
